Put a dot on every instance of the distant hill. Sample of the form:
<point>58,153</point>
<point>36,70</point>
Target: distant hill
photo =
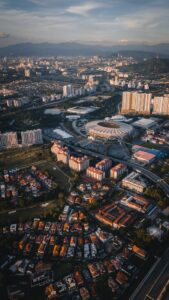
<point>76,49</point>
<point>140,55</point>
<point>49,49</point>
<point>155,65</point>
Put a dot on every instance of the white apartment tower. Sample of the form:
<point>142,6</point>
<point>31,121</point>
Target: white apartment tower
<point>68,91</point>
<point>8,140</point>
<point>136,102</point>
<point>78,164</point>
<point>161,105</point>
<point>31,137</point>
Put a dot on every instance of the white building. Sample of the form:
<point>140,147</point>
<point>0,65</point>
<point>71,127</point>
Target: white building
<point>31,137</point>
<point>161,105</point>
<point>118,171</point>
<point>135,102</point>
<point>8,140</point>
<point>78,164</point>
<point>95,173</point>
<point>68,91</point>
<point>132,182</point>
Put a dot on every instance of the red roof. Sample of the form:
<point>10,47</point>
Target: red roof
<point>144,155</point>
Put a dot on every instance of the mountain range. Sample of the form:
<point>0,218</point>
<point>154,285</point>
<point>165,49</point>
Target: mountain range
<point>77,49</point>
<point>150,66</point>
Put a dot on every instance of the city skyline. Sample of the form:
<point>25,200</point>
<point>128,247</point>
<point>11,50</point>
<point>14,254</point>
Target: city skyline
<point>95,21</point>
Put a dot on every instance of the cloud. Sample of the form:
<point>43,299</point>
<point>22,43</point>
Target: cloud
<point>4,35</point>
<point>84,20</point>
<point>85,8</point>
<point>124,41</point>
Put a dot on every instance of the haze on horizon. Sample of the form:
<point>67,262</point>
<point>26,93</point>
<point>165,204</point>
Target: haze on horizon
<point>85,21</point>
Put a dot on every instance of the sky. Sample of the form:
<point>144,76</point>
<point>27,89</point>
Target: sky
<point>84,21</point>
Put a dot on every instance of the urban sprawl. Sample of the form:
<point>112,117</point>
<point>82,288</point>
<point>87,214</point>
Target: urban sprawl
<point>84,179</point>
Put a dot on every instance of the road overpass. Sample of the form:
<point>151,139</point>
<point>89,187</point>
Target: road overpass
<point>152,284</point>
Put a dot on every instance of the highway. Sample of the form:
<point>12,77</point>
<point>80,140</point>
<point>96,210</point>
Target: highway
<point>153,177</point>
<point>152,285</point>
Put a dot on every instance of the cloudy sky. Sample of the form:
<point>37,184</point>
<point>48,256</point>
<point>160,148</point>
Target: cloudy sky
<point>87,21</point>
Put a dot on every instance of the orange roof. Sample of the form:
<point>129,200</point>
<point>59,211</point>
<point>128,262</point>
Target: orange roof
<point>94,170</point>
<point>117,167</point>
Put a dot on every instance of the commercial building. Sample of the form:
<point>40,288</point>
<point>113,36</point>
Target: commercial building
<point>81,110</point>
<point>157,153</point>
<point>161,105</point>
<point>78,164</point>
<point>144,157</point>
<point>104,165</point>
<point>132,182</point>
<point>8,140</point>
<point>62,133</point>
<point>95,173</point>
<point>31,137</point>
<point>145,123</point>
<point>135,102</point>
<point>117,171</point>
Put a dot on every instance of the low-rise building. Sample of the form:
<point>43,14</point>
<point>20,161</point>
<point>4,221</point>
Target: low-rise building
<point>132,182</point>
<point>144,157</point>
<point>136,202</point>
<point>114,216</point>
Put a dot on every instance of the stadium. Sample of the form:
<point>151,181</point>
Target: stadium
<point>109,130</point>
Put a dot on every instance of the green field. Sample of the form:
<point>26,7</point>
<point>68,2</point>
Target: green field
<point>21,157</point>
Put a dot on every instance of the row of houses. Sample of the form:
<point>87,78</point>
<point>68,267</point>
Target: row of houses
<point>29,181</point>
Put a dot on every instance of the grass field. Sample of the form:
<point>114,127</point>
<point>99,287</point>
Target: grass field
<point>21,157</point>
<point>28,213</point>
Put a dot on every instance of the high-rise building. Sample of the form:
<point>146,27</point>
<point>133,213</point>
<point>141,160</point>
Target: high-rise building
<point>17,102</point>
<point>161,105</point>
<point>134,102</point>
<point>31,137</point>
<point>78,164</point>
<point>27,73</point>
<point>62,153</point>
<point>68,91</point>
<point>104,165</point>
<point>117,171</point>
<point>127,102</point>
<point>8,140</point>
<point>95,173</point>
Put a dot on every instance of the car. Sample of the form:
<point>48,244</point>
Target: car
<point>11,212</point>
